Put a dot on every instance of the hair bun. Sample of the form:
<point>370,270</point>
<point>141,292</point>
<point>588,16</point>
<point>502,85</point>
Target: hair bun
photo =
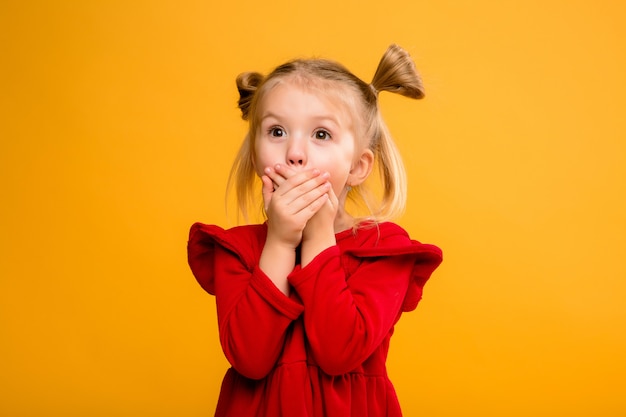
<point>396,73</point>
<point>247,84</point>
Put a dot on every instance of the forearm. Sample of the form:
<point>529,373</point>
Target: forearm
<point>277,262</point>
<point>252,336</point>
<point>318,235</point>
<point>313,246</point>
<point>253,318</point>
<point>345,323</point>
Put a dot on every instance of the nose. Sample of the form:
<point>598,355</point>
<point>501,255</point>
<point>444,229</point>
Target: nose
<point>296,153</point>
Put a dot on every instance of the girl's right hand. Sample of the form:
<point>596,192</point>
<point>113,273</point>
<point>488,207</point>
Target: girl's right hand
<point>291,199</point>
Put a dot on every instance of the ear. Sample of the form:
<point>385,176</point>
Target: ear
<point>361,168</point>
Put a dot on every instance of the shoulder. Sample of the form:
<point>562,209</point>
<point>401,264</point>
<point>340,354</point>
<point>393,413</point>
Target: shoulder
<point>206,243</point>
<point>203,234</point>
<point>386,241</point>
<point>383,239</point>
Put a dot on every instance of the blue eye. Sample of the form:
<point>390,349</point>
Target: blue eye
<point>276,131</point>
<point>322,134</point>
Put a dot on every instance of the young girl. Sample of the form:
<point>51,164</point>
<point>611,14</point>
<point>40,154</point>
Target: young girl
<point>307,301</point>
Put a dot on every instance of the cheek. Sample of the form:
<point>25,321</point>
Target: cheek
<point>339,167</point>
<point>338,187</point>
<point>259,166</point>
<point>262,159</point>
<point>338,178</point>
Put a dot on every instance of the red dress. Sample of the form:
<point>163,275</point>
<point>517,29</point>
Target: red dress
<point>320,351</point>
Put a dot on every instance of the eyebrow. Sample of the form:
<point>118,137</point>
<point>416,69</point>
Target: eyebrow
<point>328,118</point>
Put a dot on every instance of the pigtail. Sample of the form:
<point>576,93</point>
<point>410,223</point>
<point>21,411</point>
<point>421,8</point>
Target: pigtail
<point>396,73</point>
<point>247,84</point>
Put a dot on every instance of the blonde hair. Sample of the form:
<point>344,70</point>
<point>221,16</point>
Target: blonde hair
<point>396,73</point>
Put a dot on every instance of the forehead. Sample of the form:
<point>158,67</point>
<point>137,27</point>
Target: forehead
<point>336,93</point>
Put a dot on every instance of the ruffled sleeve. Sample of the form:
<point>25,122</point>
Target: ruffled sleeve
<point>204,239</point>
<point>425,258</point>
<point>200,254</point>
<point>253,315</point>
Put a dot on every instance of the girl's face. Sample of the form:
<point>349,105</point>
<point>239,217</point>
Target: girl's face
<point>303,129</point>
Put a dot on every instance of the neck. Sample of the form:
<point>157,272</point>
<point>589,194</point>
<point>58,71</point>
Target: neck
<point>343,220</point>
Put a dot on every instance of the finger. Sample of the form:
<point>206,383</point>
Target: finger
<point>300,183</point>
<point>268,185</point>
<point>284,170</point>
<point>314,206</point>
<point>306,182</point>
<point>296,177</point>
<point>298,201</point>
<point>277,178</point>
<point>332,197</point>
<point>267,190</point>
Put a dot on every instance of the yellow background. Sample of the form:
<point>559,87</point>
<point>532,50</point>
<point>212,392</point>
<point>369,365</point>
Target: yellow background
<point>118,125</point>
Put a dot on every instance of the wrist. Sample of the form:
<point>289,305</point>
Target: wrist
<point>279,244</point>
<point>314,245</point>
<point>277,261</point>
